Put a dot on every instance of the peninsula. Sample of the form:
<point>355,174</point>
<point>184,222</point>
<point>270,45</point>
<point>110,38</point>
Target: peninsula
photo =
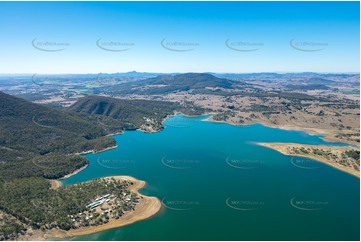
<point>123,205</point>
<point>345,158</point>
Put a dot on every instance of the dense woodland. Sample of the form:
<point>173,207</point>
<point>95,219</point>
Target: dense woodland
<point>28,129</point>
<point>111,113</point>
<point>39,142</point>
<point>30,203</point>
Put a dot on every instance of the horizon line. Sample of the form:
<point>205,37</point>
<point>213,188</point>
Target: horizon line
<point>205,72</point>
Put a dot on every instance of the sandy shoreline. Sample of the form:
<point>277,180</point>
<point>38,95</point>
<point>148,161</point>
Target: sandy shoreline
<point>283,148</point>
<point>113,134</point>
<point>327,134</point>
<point>146,208</point>
<point>149,206</point>
<point>56,183</point>
<point>74,172</point>
<point>97,152</point>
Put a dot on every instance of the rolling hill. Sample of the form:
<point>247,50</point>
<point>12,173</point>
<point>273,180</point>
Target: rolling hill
<point>129,114</point>
<point>38,130</point>
<point>165,84</point>
<point>42,140</point>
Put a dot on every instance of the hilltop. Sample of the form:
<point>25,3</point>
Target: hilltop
<point>165,84</point>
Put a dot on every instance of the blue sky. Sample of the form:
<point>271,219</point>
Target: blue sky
<point>238,37</point>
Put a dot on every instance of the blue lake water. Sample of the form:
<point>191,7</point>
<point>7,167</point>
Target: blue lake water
<point>216,184</point>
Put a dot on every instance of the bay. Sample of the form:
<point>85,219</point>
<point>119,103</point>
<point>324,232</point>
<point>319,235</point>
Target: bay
<point>215,183</point>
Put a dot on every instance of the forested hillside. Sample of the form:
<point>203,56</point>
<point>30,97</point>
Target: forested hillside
<point>38,129</point>
<point>113,113</point>
<point>40,142</point>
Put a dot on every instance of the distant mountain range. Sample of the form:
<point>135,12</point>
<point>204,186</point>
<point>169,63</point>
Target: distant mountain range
<point>250,74</point>
<point>197,83</point>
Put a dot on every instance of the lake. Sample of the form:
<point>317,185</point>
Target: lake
<point>216,184</point>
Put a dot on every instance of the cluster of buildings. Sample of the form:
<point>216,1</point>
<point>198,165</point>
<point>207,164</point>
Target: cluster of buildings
<point>98,201</point>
